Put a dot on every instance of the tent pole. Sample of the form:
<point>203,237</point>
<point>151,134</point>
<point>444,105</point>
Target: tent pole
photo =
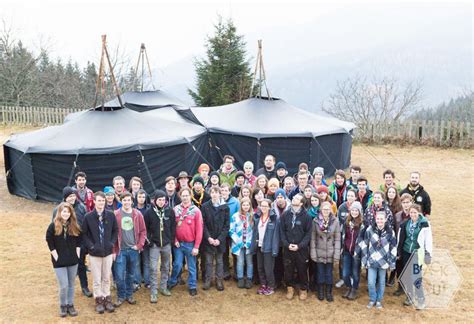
<point>117,91</point>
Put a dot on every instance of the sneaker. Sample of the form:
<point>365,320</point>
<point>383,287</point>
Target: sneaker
<point>165,292</point>
<point>63,311</point>
<point>340,283</point>
<point>370,304</point>
<point>420,305</point>
<point>261,290</point>
<point>154,298</point>
<point>206,285</point>
<point>303,294</point>
<point>248,283</point>
<point>268,291</point>
<point>220,285</point>
<point>136,287</point>
<point>71,310</point>
<point>86,292</point>
<point>378,305</point>
<point>241,283</point>
<point>193,292</point>
<point>131,300</point>
<point>119,302</point>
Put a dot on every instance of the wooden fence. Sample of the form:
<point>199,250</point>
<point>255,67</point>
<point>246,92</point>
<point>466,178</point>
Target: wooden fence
<point>422,132</point>
<point>35,116</point>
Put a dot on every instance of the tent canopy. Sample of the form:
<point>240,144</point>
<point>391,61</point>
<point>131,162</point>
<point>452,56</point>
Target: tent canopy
<point>264,118</point>
<point>106,132</point>
<point>144,100</point>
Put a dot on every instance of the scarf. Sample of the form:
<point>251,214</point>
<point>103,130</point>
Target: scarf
<point>198,202</point>
<point>160,212</point>
<point>323,224</point>
<point>183,212</point>
<point>245,225</point>
<point>313,211</point>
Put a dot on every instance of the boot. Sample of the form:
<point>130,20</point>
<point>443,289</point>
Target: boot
<point>219,284</point>
<point>329,296</point>
<point>86,292</point>
<point>108,305</point>
<point>290,292</point>
<point>347,293</point>
<point>399,291</point>
<point>206,285</point>
<point>71,310</point>
<point>63,310</point>
<point>99,305</point>
<point>320,289</point>
<point>303,294</point>
<point>352,294</point>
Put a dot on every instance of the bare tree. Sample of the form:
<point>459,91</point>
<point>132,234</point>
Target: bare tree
<point>376,101</point>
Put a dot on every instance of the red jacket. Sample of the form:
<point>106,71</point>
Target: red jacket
<point>189,226</point>
<point>138,228</point>
<point>88,200</point>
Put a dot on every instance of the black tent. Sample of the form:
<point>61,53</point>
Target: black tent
<point>253,128</point>
<point>103,144</point>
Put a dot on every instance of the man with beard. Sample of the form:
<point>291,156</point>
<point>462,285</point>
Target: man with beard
<point>269,169</point>
<point>420,196</point>
<point>280,206</point>
<point>282,172</point>
<point>295,233</point>
<point>84,194</point>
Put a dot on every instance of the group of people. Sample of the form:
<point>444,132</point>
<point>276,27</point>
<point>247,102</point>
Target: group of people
<point>292,228</point>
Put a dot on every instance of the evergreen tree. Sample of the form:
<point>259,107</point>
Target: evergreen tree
<point>223,76</point>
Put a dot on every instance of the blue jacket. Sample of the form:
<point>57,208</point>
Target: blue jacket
<point>271,239</point>
<point>233,204</point>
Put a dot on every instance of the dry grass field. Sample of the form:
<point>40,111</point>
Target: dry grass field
<point>28,289</point>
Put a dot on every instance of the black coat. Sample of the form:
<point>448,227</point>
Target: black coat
<point>299,234</point>
<point>172,201</point>
<point>268,174</point>
<point>65,246</point>
<point>216,225</point>
<point>420,197</point>
<point>152,223</point>
<point>90,233</point>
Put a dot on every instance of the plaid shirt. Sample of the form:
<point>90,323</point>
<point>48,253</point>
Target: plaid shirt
<point>378,249</point>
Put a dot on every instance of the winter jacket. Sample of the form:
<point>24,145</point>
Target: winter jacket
<point>172,201</point>
<point>65,245</point>
<point>189,226</point>
<point>88,199</point>
<point>216,226</point>
<point>350,237</point>
<point>400,217</point>
<point>366,201</point>
<point>153,226</point>
<point>236,232</point>
<point>383,188</point>
<point>233,204</point>
<point>325,246</point>
<point>139,229</point>
<point>343,212</point>
<point>271,239</point>
<point>227,177</point>
<point>420,197</point>
<point>267,173</point>
<point>298,232</point>
<point>369,215</point>
<point>422,242</point>
<point>90,233</point>
<point>378,248</point>
<point>338,196</point>
<point>277,210</point>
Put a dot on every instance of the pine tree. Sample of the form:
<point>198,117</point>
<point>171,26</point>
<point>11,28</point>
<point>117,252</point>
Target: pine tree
<point>223,76</point>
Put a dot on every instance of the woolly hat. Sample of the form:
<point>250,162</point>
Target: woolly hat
<point>67,191</point>
<point>158,194</point>
<point>248,164</point>
<point>109,190</point>
<point>239,174</point>
<point>318,170</point>
<point>356,205</point>
<point>323,188</point>
<point>198,179</point>
<point>280,192</point>
<point>280,165</point>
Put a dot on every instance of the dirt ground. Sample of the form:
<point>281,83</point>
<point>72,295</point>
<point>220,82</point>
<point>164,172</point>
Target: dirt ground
<point>28,289</point>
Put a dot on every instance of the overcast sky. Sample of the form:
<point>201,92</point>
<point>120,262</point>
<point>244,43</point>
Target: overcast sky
<point>171,30</point>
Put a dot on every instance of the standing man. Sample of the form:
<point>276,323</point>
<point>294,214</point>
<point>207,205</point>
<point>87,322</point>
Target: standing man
<point>200,196</point>
<point>131,238</point>
<point>295,234</point>
<point>355,173</point>
<point>119,187</point>
<point>389,180</point>
<point>338,188</point>
<point>172,197</point>
<point>99,232</point>
<point>84,194</point>
<point>302,182</point>
<point>228,171</point>
<point>189,229</point>
<point>160,223</point>
<point>282,172</point>
<point>215,215</point>
<point>269,169</point>
<point>234,206</point>
<point>420,196</point>
<point>364,195</point>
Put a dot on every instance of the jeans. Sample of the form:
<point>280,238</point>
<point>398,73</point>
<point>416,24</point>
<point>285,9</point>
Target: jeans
<point>324,273</point>
<point>81,269</point>
<point>66,277</point>
<point>142,273</point>
<point>376,275</point>
<point>125,267</point>
<point>265,266</point>
<point>156,253</point>
<point>350,270</point>
<point>244,257</point>
<point>209,257</point>
<point>184,251</point>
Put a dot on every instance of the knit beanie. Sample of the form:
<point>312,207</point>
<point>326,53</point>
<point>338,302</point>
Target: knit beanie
<point>280,165</point>
<point>356,205</point>
<point>67,191</point>
<point>323,188</point>
<point>280,192</point>
<point>319,170</point>
<point>158,194</point>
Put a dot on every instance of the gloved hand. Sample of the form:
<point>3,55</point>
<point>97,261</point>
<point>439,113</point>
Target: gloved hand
<point>427,258</point>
